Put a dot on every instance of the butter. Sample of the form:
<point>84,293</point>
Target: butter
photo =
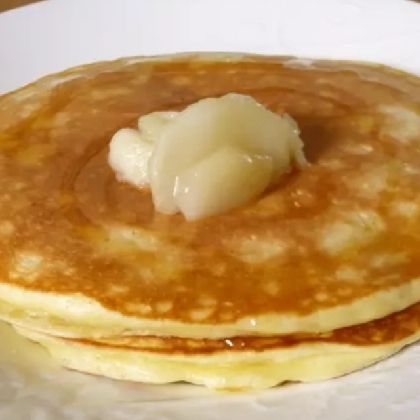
<point>226,179</point>
<point>130,149</point>
<point>217,154</point>
<point>129,154</point>
<point>151,125</point>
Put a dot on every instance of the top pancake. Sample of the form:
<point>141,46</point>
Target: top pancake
<point>334,245</point>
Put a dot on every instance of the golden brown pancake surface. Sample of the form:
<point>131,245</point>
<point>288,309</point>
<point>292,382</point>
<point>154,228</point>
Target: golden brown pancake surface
<point>341,230</point>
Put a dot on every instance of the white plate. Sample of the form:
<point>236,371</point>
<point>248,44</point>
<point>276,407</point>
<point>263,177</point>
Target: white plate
<point>57,34</point>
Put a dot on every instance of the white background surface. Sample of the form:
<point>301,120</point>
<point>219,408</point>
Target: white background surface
<point>51,36</point>
<point>57,34</point>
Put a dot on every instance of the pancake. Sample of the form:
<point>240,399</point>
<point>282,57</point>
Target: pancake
<point>335,245</point>
<point>241,362</point>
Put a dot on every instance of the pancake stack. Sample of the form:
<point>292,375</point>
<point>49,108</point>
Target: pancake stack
<point>317,278</point>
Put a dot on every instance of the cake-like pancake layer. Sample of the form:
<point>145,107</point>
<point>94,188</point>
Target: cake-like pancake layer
<point>334,245</point>
<point>240,362</point>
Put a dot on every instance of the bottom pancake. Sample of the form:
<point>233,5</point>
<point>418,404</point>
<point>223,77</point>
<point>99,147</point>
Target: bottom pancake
<point>237,363</point>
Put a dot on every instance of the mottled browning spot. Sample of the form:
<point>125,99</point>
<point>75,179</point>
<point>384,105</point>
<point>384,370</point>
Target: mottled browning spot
<point>201,314</point>
<point>347,273</point>
<point>359,228</point>
<point>163,306</point>
<point>6,229</point>
<point>388,260</point>
<point>401,123</point>
<point>407,209</point>
<point>26,265</point>
<point>359,149</point>
<point>371,182</point>
<point>257,249</point>
<point>271,287</point>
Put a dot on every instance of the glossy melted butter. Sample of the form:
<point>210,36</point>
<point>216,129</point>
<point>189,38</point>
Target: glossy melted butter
<point>215,155</point>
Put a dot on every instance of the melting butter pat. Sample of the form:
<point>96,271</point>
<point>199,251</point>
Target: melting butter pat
<point>217,154</point>
<point>129,154</point>
<point>130,149</point>
<point>221,173</point>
